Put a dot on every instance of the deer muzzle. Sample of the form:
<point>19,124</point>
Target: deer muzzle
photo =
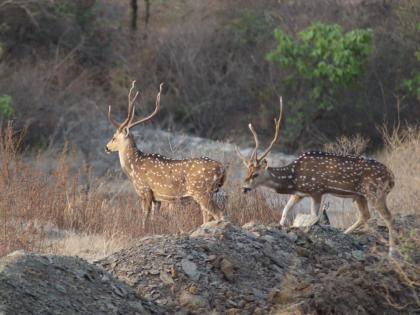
<point>107,150</point>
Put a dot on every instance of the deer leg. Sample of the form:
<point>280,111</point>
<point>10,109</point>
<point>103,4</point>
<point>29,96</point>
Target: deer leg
<point>146,204</point>
<point>293,200</point>
<point>364,214</point>
<point>381,207</point>
<point>155,208</point>
<point>206,216</point>
<point>208,207</point>
<point>316,204</point>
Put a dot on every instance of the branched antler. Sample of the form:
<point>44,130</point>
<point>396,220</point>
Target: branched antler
<point>127,123</point>
<point>277,123</point>
<point>157,107</point>
<point>254,154</point>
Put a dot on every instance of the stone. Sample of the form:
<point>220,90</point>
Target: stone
<point>305,220</point>
<point>358,254</point>
<point>190,268</point>
<point>166,278</point>
<point>228,269</point>
<point>192,301</point>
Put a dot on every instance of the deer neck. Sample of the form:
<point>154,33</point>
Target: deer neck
<point>129,156</point>
<point>281,179</point>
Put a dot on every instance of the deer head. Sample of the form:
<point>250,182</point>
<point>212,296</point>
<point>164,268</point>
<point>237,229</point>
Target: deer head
<point>122,136</point>
<point>257,165</point>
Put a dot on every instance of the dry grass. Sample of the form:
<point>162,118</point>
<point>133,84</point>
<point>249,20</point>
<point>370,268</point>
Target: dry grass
<point>402,157</point>
<point>348,145</point>
<point>93,220</point>
<point>88,218</point>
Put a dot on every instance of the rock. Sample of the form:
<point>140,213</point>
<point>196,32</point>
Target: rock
<point>190,269</point>
<point>233,311</point>
<point>304,220</point>
<point>193,289</point>
<point>292,236</point>
<point>166,278</point>
<point>192,301</point>
<point>227,268</point>
<point>358,254</point>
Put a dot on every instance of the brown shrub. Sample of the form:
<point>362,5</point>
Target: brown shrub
<point>347,145</point>
<point>401,155</point>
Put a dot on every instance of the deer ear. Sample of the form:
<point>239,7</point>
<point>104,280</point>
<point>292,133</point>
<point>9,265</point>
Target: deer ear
<point>126,132</point>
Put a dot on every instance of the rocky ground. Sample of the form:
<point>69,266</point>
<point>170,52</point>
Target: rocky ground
<point>257,269</point>
<point>221,268</point>
<point>47,284</point>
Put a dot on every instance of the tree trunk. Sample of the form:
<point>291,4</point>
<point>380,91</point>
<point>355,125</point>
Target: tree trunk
<point>134,11</point>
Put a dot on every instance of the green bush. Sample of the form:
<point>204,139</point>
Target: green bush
<point>6,109</point>
<point>412,85</point>
<point>324,55</point>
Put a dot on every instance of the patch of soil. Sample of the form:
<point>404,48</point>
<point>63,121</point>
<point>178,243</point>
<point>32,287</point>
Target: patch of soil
<point>47,284</point>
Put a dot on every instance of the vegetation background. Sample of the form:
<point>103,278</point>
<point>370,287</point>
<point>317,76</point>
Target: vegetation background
<point>342,66</point>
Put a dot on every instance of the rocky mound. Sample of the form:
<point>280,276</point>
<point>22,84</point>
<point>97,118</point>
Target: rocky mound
<point>225,269</point>
<point>257,269</point>
<point>46,284</point>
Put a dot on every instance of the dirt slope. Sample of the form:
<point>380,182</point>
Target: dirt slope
<point>256,269</point>
<point>221,268</point>
<point>46,284</point>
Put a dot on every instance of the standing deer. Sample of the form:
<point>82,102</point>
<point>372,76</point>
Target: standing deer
<point>158,178</point>
<point>315,174</point>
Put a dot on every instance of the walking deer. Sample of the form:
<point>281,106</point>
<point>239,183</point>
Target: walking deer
<point>314,174</point>
<point>158,178</point>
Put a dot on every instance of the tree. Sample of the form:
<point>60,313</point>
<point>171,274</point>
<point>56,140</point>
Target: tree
<point>134,14</point>
<point>321,60</point>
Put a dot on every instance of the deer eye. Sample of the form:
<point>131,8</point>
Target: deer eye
<point>255,175</point>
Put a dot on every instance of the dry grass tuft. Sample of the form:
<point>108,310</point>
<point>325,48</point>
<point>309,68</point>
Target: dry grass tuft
<point>355,145</point>
<point>401,155</point>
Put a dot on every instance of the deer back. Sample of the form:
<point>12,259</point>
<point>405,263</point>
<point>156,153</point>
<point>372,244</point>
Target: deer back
<point>169,178</point>
<point>327,172</point>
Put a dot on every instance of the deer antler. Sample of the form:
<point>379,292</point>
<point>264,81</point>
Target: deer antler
<point>254,154</point>
<point>277,123</point>
<point>130,113</point>
<point>243,158</point>
<point>257,143</point>
<point>131,101</point>
<point>112,120</point>
<point>131,125</point>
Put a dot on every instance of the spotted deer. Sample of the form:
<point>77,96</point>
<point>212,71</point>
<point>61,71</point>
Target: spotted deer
<point>314,174</point>
<point>158,178</point>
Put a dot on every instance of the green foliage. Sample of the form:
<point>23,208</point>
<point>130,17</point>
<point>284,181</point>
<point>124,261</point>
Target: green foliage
<point>6,108</point>
<point>248,28</point>
<point>81,11</point>
<point>412,85</point>
<point>324,56</point>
